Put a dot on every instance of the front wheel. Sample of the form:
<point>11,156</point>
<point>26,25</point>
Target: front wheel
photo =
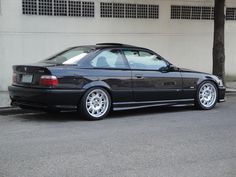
<point>95,104</point>
<point>207,95</point>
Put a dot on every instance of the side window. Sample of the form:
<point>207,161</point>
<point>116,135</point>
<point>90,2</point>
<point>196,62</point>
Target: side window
<point>144,60</point>
<point>109,59</point>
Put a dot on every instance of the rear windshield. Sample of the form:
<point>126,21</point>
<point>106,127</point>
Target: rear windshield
<point>71,56</point>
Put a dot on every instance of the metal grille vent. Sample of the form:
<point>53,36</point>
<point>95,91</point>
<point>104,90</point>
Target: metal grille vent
<point>74,8</point>
<point>192,12</point>
<point>128,10</point>
<point>231,13</point>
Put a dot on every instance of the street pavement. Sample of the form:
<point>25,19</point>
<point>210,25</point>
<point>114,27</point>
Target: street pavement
<point>153,142</point>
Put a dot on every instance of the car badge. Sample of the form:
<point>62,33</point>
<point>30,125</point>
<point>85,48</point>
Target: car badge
<point>41,71</point>
<point>25,68</point>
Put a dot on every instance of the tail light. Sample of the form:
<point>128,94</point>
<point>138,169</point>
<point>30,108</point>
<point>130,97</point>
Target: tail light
<point>14,78</point>
<point>48,81</point>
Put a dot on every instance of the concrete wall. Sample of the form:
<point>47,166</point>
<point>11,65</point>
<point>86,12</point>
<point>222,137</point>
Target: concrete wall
<point>186,43</point>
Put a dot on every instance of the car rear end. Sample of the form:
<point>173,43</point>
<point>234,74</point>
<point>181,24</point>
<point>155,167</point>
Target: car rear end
<point>35,87</point>
<point>44,85</point>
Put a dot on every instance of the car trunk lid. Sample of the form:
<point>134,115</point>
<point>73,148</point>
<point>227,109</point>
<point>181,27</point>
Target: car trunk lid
<point>29,75</point>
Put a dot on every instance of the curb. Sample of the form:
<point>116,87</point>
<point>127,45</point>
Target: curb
<point>230,90</point>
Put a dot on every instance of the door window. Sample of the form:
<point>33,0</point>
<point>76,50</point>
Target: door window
<point>109,59</point>
<point>144,60</point>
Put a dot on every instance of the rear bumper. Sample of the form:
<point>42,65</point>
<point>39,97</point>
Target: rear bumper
<point>45,98</point>
<point>221,94</point>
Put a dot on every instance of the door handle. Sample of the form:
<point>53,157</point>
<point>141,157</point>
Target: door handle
<point>139,76</point>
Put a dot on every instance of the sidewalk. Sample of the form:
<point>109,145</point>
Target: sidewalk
<point>231,87</point>
<point>5,100</point>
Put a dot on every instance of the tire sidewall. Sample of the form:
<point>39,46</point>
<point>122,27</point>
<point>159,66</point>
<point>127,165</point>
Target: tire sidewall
<point>82,106</point>
<point>198,103</point>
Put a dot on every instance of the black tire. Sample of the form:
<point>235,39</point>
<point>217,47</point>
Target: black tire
<point>85,104</point>
<point>201,102</point>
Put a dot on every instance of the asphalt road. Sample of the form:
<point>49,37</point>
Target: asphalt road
<point>156,142</point>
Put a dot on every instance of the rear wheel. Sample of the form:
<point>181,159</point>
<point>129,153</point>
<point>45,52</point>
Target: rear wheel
<point>207,95</point>
<point>95,104</point>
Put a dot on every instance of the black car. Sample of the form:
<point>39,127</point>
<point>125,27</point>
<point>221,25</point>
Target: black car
<point>95,79</point>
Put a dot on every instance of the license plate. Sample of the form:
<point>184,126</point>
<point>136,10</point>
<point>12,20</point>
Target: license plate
<point>26,78</point>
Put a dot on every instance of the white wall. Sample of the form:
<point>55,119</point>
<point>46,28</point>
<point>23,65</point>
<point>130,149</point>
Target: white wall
<point>186,43</point>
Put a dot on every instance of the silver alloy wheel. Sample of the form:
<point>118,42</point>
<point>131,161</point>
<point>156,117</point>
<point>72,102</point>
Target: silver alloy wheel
<point>207,95</point>
<point>97,103</point>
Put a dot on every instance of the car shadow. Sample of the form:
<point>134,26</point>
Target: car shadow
<point>151,110</point>
<point>50,117</point>
<point>74,116</point>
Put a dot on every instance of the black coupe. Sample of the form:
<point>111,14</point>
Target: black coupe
<point>95,79</point>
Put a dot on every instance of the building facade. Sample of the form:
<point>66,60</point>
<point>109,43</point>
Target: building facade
<point>179,30</point>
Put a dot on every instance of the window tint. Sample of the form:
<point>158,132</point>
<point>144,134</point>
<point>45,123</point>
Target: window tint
<point>109,59</point>
<point>72,56</point>
<point>144,60</point>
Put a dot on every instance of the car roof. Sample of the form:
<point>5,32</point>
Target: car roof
<point>111,45</point>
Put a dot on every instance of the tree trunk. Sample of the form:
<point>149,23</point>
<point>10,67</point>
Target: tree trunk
<point>218,45</point>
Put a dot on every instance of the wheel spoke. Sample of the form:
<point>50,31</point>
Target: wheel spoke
<point>207,95</point>
<point>97,103</point>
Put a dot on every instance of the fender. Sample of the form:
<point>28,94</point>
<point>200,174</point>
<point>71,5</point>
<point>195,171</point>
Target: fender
<point>97,84</point>
<point>208,78</point>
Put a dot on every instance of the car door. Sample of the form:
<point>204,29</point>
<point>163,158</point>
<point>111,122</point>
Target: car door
<point>151,78</point>
<point>111,68</point>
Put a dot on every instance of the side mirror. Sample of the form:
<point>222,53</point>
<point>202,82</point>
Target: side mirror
<point>173,68</point>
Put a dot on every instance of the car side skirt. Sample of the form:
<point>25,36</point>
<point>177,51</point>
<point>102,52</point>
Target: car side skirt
<point>135,105</point>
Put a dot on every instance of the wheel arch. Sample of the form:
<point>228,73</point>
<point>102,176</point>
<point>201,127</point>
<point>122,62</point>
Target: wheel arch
<point>96,84</point>
<point>82,103</point>
<point>207,79</point>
